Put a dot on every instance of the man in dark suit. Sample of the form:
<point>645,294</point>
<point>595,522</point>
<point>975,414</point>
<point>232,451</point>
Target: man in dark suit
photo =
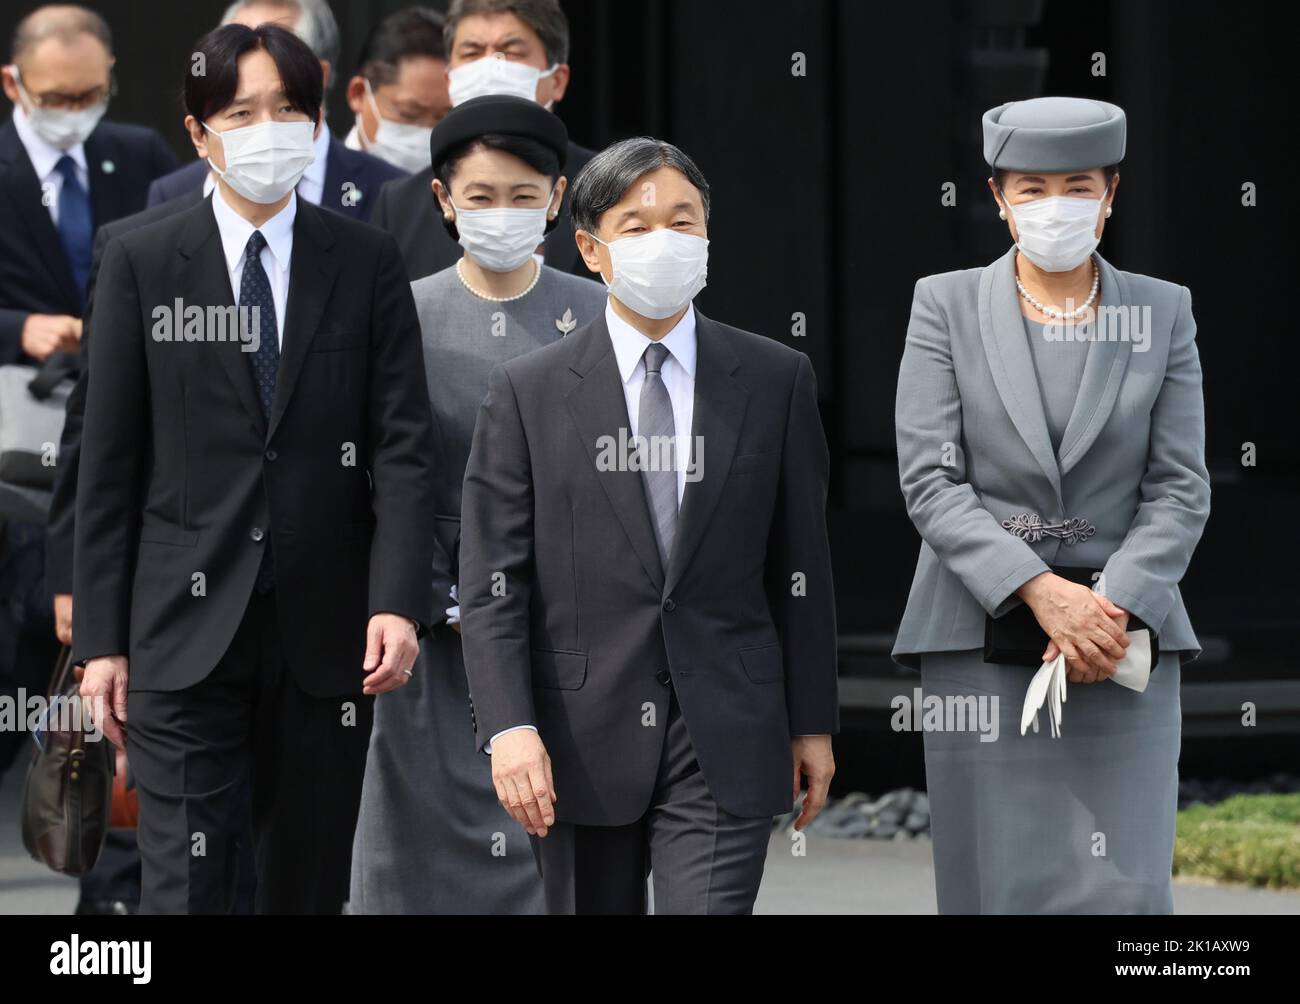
<point>532,36</point>
<point>63,171</point>
<point>252,535</point>
<point>645,584</point>
<point>344,180</point>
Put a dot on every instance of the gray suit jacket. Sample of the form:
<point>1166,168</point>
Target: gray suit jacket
<point>571,623</point>
<point>974,450</point>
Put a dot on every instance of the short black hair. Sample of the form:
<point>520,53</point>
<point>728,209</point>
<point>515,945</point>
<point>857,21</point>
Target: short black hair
<point>1000,174</point>
<point>546,17</point>
<point>213,77</point>
<point>614,170</point>
<point>538,156</point>
<point>412,31</point>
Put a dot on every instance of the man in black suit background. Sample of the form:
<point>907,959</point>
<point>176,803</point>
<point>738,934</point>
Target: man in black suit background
<point>64,170</point>
<point>518,47</point>
<point>645,585</point>
<point>344,180</point>
<point>252,542</point>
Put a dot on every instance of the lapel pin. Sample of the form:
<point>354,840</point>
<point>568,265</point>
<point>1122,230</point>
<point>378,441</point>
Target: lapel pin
<point>566,323</point>
<point>108,167</point>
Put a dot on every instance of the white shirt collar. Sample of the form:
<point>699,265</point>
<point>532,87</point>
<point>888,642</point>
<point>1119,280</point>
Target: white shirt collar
<point>630,344</point>
<point>235,231</point>
<point>44,155</point>
<point>315,170</point>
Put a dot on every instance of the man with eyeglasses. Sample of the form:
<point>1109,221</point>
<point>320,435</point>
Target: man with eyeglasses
<point>64,171</point>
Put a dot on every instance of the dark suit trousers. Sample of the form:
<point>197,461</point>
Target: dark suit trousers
<point>702,859</point>
<point>196,751</point>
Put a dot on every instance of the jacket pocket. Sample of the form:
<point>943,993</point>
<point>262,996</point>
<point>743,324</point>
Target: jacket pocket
<point>763,664</point>
<point>159,534</point>
<point>559,670</point>
<point>746,462</point>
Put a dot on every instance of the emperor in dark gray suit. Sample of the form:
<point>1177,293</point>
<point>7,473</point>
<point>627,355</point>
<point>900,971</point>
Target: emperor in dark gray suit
<point>1050,418</point>
<point>650,647</point>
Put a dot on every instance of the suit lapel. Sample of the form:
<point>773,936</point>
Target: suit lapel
<point>19,182</point>
<point>599,409</point>
<point>208,284</point>
<point>1103,372</point>
<point>312,271</point>
<point>109,187</point>
<point>1002,329</point>
<point>719,410</point>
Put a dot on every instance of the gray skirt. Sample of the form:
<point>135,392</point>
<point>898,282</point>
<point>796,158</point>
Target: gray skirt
<point>431,836</point>
<point>1030,824</point>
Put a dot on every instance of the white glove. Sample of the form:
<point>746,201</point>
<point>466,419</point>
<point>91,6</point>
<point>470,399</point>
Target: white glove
<point>1048,684</point>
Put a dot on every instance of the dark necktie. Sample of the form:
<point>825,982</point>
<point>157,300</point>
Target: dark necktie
<point>656,428</point>
<point>255,291</point>
<point>76,227</point>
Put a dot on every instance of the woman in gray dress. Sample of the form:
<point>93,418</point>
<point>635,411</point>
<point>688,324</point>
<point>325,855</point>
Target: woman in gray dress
<point>1051,454</point>
<point>431,836</point>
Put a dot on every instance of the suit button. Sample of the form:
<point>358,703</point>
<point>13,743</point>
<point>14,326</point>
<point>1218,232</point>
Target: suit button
<point>271,455</point>
<point>257,533</point>
<point>670,605</point>
<point>664,677</point>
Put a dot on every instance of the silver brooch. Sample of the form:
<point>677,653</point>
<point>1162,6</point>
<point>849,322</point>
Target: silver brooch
<point>1029,526</point>
<point>566,323</point>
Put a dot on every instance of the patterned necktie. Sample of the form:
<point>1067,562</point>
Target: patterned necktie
<point>76,227</point>
<point>255,291</point>
<point>656,429</point>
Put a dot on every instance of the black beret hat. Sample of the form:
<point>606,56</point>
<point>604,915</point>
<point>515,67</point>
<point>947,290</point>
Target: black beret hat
<point>503,115</point>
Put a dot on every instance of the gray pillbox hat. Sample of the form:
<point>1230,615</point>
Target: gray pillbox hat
<point>1054,134</point>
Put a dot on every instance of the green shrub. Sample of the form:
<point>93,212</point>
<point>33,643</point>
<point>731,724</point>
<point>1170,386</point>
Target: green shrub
<point>1250,839</point>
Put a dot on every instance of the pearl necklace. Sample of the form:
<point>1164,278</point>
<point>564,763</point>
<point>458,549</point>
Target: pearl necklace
<point>497,299</point>
<point>1068,315</point>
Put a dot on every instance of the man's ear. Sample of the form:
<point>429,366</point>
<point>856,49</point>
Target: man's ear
<point>10,85</point>
<point>198,136</point>
<point>560,82</point>
<point>356,93</point>
<point>590,251</point>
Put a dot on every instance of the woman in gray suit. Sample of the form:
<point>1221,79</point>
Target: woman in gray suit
<point>1051,453</point>
<point>431,836</point>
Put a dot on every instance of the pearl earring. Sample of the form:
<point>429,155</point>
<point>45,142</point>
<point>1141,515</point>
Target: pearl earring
<point>1002,214</point>
<point>1108,212</point>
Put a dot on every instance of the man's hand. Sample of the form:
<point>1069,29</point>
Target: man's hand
<point>521,773</point>
<point>44,334</point>
<point>63,617</point>
<point>812,760</point>
<point>103,687</point>
<point>1086,675</point>
<point>391,648</point>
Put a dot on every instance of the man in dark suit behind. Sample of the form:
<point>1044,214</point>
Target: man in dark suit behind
<point>64,170</point>
<point>346,181</point>
<point>252,543</point>
<point>532,36</point>
<point>645,584</point>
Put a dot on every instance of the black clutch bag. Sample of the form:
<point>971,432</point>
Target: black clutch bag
<point>1016,639</point>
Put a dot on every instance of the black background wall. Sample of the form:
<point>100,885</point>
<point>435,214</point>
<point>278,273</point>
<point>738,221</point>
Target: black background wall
<point>827,196</point>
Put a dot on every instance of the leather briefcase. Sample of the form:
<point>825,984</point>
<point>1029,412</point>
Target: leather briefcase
<point>69,786</point>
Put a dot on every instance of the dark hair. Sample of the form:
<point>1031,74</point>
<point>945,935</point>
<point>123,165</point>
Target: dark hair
<point>614,170</point>
<point>217,55</point>
<point>412,31</point>
<point>1000,174</point>
<point>538,156</point>
<point>544,16</point>
<point>63,23</point>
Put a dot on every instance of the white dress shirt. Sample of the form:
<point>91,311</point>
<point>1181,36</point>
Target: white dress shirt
<point>678,375</point>
<point>44,156</point>
<point>276,255</point>
<point>312,184</point>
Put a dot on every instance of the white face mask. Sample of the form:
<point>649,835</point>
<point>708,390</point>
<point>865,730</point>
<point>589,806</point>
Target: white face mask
<point>402,145</point>
<point>62,128</point>
<point>494,75</point>
<point>501,239</point>
<point>1057,233</point>
<point>658,273</point>
<point>265,162</point>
